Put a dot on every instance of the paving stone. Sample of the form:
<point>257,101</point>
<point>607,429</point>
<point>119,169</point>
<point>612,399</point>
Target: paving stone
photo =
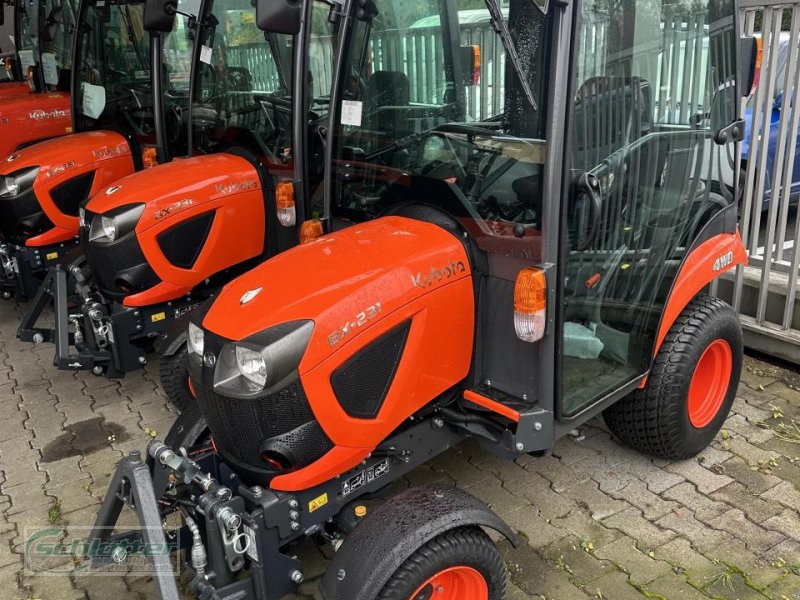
<point>784,493</point>
<point>632,523</point>
<point>616,586</point>
<point>787,523</point>
<point>570,555</point>
<point>758,569</point>
<point>537,530</point>
<point>698,570</point>
<point>755,538</point>
<point>587,529</point>
<point>750,453</point>
<point>702,506</point>
<point>588,496</point>
<point>700,535</point>
<point>738,425</point>
<point>624,553</point>
<point>706,480</point>
<point>756,509</point>
<point>755,481</point>
<point>673,585</point>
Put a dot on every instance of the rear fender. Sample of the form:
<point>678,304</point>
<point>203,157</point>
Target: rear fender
<point>392,532</point>
<point>703,265</point>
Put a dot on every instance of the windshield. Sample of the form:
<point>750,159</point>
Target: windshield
<point>114,69</point>
<point>243,86</point>
<point>443,99</point>
<point>27,33</point>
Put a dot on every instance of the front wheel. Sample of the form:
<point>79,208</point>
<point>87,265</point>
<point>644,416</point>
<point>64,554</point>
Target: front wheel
<point>691,387</point>
<point>462,564</point>
<point>173,372</point>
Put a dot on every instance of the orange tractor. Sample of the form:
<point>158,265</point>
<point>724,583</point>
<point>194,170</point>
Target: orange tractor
<point>499,257</point>
<point>158,243</point>
<point>131,89</point>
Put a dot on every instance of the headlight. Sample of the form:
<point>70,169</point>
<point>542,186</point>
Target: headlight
<point>195,339</point>
<point>18,182</point>
<point>252,365</point>
<point>262,361</point>
<point>116,223</point>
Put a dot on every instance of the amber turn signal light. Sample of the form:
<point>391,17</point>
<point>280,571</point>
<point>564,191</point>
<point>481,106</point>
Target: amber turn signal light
<point>530,304</point>
<point>284,203</point>
<point>310,231</point>
<point>149,157</point>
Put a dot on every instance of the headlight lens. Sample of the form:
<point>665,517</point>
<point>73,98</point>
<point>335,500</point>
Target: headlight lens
<point>115,224</point>
<point>18,182</point>
<point>195,339</point>
<point>252,365</point>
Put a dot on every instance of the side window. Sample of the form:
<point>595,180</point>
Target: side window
<point>655,80</point>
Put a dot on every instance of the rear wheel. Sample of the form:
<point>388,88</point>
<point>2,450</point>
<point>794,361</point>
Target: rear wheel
<point>173,372</point>
<point>691,387</point>
<point>462,564</point>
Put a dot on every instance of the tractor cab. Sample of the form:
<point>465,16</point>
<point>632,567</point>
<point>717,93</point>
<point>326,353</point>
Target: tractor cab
<point>39,109</point>
<point>159,243</point>
<point>507,247</point>
<point>130,90</point>
<point>41,42</point>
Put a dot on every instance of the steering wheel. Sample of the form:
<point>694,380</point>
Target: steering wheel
<point>210,76</point>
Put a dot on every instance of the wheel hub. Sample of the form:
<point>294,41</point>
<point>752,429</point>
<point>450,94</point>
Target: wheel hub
<point>455,583</point>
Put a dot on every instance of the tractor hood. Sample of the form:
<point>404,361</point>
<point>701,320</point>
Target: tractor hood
<point>32,117</point>
<point>59,157</point>
<point>183,185</point>
<point>343,282</point>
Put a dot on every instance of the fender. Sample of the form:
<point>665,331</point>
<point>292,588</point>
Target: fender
<point>392,532</point>
<point>15,88</point>
<point>704,263</point>
<point>32,117</point>
<point>222,187</point>
<point>107,154</point>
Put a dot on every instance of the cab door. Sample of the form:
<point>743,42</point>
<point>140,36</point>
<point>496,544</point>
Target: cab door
<point>653,82</point>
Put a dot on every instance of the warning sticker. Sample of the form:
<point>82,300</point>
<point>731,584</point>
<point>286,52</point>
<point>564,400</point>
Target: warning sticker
<point>364,477</point>
<point>351,112</point>
<point>205,54</point>
<point>51,256</point>
<point>318,503</point>
<point>159,316</point>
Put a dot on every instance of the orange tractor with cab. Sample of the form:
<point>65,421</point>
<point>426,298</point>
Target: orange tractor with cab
<point>499,257</point>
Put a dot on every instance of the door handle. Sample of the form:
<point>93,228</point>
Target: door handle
<point>588,191</point>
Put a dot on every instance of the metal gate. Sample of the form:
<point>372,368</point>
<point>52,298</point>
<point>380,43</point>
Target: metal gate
<point>765,291</point>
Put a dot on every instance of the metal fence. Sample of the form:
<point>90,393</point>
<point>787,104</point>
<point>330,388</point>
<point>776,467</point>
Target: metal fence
<point>765,292</point>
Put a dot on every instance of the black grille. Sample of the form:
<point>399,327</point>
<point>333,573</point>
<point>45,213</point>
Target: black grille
<point>120,267</point>
<point>22,216</point>
<point>281,425</point>
<point>361,384</point>
<point>182,243</point>
<point>69,195</point>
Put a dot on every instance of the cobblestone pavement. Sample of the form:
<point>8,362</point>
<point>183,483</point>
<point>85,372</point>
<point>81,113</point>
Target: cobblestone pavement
<point>600,521</point>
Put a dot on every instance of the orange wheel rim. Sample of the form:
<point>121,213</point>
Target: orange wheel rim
<point>455,583</point>
<point>710,382</point>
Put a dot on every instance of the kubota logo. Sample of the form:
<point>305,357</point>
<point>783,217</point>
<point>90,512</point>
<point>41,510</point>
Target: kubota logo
<point>43,115</point>
<point>13,157</point>
<point>235,186</point>
<point>113,189</point>
<point>436,276</point>
<point>106,152</point>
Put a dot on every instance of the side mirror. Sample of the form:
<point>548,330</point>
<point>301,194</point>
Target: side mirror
<point>749,64</point>
<point>159,15</point>
<point>279,16</point>
<point>52,24</point>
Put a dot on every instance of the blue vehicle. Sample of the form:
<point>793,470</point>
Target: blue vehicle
<point>779,103</point>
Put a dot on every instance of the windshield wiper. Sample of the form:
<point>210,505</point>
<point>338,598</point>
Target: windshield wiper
<point>501,27</point>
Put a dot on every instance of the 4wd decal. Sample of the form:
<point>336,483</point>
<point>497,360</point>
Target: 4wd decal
<point>361,318</point>
<point>436,276</point>
<point>236,186</point>
<point>723,261</point>
<point>173,208</point>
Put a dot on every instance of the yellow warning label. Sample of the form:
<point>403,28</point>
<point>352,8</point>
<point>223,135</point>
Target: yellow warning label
<point>51,256</point>
<point>158,317</point>
<point>68,129</point>
<point>318,503</point>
